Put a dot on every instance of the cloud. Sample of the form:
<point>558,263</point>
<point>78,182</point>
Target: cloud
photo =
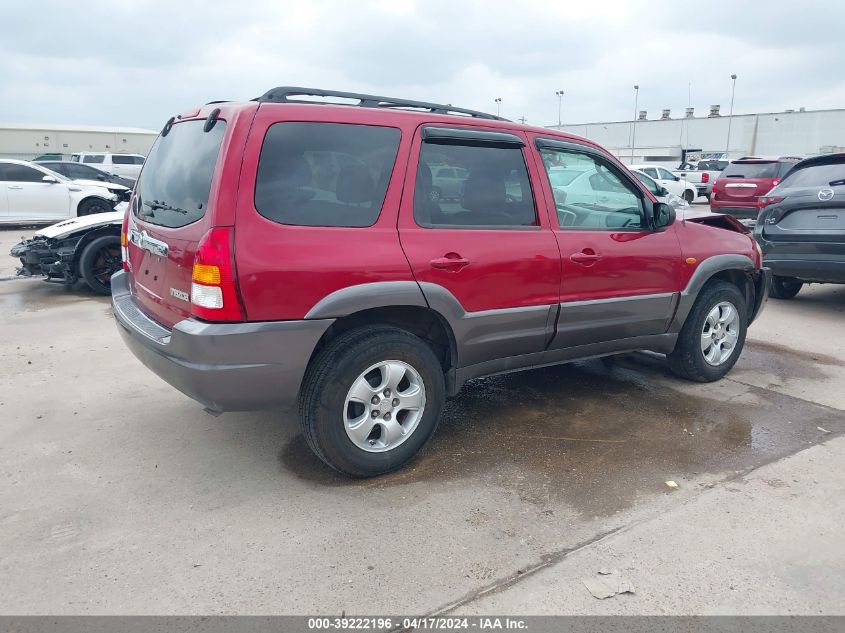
<point>138,62</point>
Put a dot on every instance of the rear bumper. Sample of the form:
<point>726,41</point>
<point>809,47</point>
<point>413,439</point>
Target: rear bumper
<point>744,213</point>
<point>822,271</point>
<point>223,366</point>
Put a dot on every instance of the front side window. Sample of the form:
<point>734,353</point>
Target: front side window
<point>488,187</point>
<point>325,174</point>
<point>13,172</point>
<point>597,197</point>
<point>665,174</point>
<point>93,158</point>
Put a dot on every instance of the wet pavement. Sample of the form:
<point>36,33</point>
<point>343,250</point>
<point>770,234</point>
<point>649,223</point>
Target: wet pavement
<point>118,495</point>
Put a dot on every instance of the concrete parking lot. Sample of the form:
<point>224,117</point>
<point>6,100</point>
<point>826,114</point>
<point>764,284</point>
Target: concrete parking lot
<point>120,495</point>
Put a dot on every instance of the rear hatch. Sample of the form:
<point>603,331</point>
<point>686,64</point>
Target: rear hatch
<point>743,182</point>
<point>808,207</point>
<point>170,212</point>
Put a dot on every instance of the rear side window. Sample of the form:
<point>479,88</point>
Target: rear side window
<point>117,159</point>
<point>751,170</point>
<point>817,176</point>
<point>93,158</point>
<point>324,174</point>
<point>490,189</point>
<point>174,187</point>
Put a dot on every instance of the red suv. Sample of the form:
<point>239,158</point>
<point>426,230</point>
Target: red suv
<point>279,250</point>
<point>741,186</point>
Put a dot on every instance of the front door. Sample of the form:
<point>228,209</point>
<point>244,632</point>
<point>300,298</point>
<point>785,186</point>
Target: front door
<point>620,278</point>
<point>30,199</point>
<point>485,259</point>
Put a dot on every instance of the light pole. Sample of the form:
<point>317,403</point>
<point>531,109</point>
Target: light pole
<point>634,125</point>
<point>730,116</point>
<point>498,101</point>
<point>559,94</point>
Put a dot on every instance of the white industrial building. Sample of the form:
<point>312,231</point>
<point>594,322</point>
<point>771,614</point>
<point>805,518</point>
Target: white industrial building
<point>26,141</point>
<point>667,140</point>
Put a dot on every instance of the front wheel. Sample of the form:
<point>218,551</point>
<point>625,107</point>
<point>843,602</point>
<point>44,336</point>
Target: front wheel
<point>93,205</point>
<point>99,261</point>
<point>785,287</point>
<point>713,335</point>
<point>370,400</point>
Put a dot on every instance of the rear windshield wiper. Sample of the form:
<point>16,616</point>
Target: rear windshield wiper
<point>155,205</point>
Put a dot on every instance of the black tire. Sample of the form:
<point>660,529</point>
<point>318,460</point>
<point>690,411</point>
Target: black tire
<point>100,259</point>
<point>435,195</point>
<point>687,360</point>
<point>328,380</point>
<point>90,206</point>
<point>785,287</point>
<point>689,196</point>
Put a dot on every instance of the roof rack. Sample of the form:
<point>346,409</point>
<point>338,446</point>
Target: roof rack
<point>282,94</point>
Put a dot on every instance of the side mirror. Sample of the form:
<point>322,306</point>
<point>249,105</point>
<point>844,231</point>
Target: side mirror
<point>663,191</point>
<point>663,215</point>
<point>51,179</point>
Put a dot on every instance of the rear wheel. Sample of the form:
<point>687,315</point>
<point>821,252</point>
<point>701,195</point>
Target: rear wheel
<point>785,287</point>
<point>99,261</point>
<point>370,400</point>
<point>713,335</point>
<point>93,205</point>
<point>689,196</point>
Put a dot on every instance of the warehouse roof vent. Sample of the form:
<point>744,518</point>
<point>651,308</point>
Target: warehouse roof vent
<point>714,110</point>
<point>665,116</point>
<point>689,113</point>
<point>643,115</point>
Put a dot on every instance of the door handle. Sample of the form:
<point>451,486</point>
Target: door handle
<point>450,261</point>
<point>587,257</point>
<point>15,187</point>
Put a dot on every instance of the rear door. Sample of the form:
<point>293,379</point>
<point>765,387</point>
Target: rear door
<point>172,209</point>
<point>487,259</point>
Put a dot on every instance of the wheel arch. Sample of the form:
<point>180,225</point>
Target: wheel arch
<point>89,237</point>
<point>92,196</point>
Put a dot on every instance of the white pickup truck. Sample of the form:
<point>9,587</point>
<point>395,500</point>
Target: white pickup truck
<point>703,174</point>
<point>125,165</point>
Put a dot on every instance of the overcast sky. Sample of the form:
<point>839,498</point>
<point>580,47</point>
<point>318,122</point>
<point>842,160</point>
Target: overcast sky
<point>137,62</point>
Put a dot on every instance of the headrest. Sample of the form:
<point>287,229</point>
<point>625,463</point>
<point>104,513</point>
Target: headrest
<point>355,185</point>
<point>483,191</point>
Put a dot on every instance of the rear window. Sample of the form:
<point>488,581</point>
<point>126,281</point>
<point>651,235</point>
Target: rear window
<point>324,174</point>
<point>126,160</point>
<point>817,176</point>
<point>751,170</point>
<point>174,186</point>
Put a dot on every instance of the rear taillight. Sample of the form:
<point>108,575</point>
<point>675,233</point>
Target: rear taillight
<point>124,241</point>
<point>214,296</point>
<point>705,177</point>
<point>765,201</point>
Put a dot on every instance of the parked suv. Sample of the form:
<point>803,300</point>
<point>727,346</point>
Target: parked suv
<point>801,227</point>
<point>278,250</point>
<point>125,165</point>
<point>739,189</point>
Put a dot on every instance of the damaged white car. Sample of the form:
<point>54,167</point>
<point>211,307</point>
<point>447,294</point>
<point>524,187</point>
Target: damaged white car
<point>86,248</point>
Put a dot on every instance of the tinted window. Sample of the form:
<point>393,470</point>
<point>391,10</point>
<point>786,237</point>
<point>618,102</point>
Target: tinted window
<point>817,176</point>
<point>21,173</point>
<point>751,170</point>
<point>60,168</point>
<point>93,158</point>
<point>83,171</point>
<point>494,190</point>
<point>173,190</point>
<point>324,174</point>
<point>118,159</point>
<point>597,198</point>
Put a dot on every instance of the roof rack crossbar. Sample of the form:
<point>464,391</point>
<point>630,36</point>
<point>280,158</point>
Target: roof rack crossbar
<point>282,94</point>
